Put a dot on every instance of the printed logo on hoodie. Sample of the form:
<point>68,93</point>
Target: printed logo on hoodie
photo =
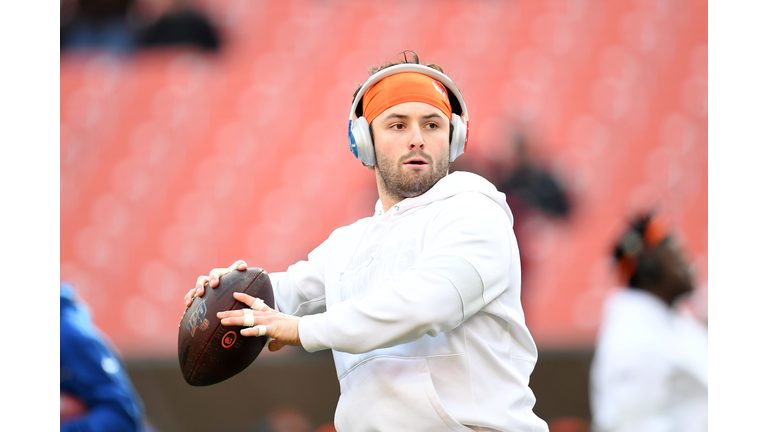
<point>370,267</point>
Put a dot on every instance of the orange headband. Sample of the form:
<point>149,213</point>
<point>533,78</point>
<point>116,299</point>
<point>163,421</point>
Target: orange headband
<point>401,88</point>
<point>656,230</point>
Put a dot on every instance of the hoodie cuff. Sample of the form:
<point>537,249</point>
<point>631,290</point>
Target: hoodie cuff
<point>313,332</point>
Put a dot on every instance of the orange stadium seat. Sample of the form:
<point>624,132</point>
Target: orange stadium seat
<point>174,162</point>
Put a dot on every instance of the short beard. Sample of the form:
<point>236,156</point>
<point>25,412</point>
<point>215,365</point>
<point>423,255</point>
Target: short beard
<point>399,185</point>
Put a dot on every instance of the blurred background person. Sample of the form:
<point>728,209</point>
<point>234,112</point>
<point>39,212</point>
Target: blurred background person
<point>96,392</point>
<point>125,26</point>
<point>649,371</point>
<point>179,23</point>
<point>97,24</point>
<point>529,185</point>
<point>534,194</point>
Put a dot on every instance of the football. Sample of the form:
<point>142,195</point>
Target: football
<point>210,352</point>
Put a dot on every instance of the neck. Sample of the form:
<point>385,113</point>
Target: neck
<point>387,200</point>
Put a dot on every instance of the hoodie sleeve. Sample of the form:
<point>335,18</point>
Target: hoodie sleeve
<point>468,259</point>
<point>300,290</point>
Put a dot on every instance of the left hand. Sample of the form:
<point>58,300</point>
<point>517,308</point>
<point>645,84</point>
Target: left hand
<point>282,328</point>
<point>212,279</point>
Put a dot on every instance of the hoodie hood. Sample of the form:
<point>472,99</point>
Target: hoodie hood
<point>450,185</point>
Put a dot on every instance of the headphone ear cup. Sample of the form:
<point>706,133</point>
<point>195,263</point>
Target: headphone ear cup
<point>361,142</point>
<point>458,138</point>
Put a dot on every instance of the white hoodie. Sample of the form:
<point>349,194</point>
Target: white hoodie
<point>421,307</point>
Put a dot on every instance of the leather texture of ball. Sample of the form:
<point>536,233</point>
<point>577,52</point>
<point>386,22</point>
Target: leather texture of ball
<point>210,352</point>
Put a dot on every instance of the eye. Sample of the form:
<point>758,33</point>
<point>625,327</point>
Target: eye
<point>432,125</point>
<point>397,126</point>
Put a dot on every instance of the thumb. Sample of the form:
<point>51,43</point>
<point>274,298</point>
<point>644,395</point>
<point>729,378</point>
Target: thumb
<point>275,345</point>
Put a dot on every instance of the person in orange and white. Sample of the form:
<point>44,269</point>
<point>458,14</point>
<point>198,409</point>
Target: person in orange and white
<point>649,370</point>
<point>420,302</point>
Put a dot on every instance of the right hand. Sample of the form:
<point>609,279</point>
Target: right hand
<point>212,279</point>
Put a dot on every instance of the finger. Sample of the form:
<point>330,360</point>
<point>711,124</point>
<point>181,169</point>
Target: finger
<point>255,331</point>
<point>190,297</point>
<point>229,314</point>
<point>200,285</point>
<point>248,319</point>
<point>214,276</point>
<point>240,265</point>
<point>242,318</point>
<point>275,345</point>
<point>226,316</point>
<point>233,320</point>
<point>217,273</point>
<point>254,303</point>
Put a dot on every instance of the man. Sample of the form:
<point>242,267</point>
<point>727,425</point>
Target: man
<point>649,371</point>
<point>96,392</point>
<point>419,302</point>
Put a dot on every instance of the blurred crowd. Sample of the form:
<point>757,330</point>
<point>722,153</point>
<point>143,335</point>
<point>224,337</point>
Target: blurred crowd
<point>124,26</point>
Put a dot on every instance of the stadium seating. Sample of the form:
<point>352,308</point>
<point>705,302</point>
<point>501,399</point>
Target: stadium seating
<point>174,161</point>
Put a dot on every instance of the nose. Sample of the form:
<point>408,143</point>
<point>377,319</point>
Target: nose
<point>416,139</point>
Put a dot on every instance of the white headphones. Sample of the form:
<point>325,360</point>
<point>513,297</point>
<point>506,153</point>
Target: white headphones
<point>360,140</point>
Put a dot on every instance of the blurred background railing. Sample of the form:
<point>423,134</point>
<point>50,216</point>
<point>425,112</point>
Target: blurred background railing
<point>176,159</point>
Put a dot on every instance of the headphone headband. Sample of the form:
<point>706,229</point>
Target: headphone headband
<point>409,67</point>
<point>360,140</point>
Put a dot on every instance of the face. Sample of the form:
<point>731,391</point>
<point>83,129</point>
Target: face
<point>676,274</point>
<point>411,145</point>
